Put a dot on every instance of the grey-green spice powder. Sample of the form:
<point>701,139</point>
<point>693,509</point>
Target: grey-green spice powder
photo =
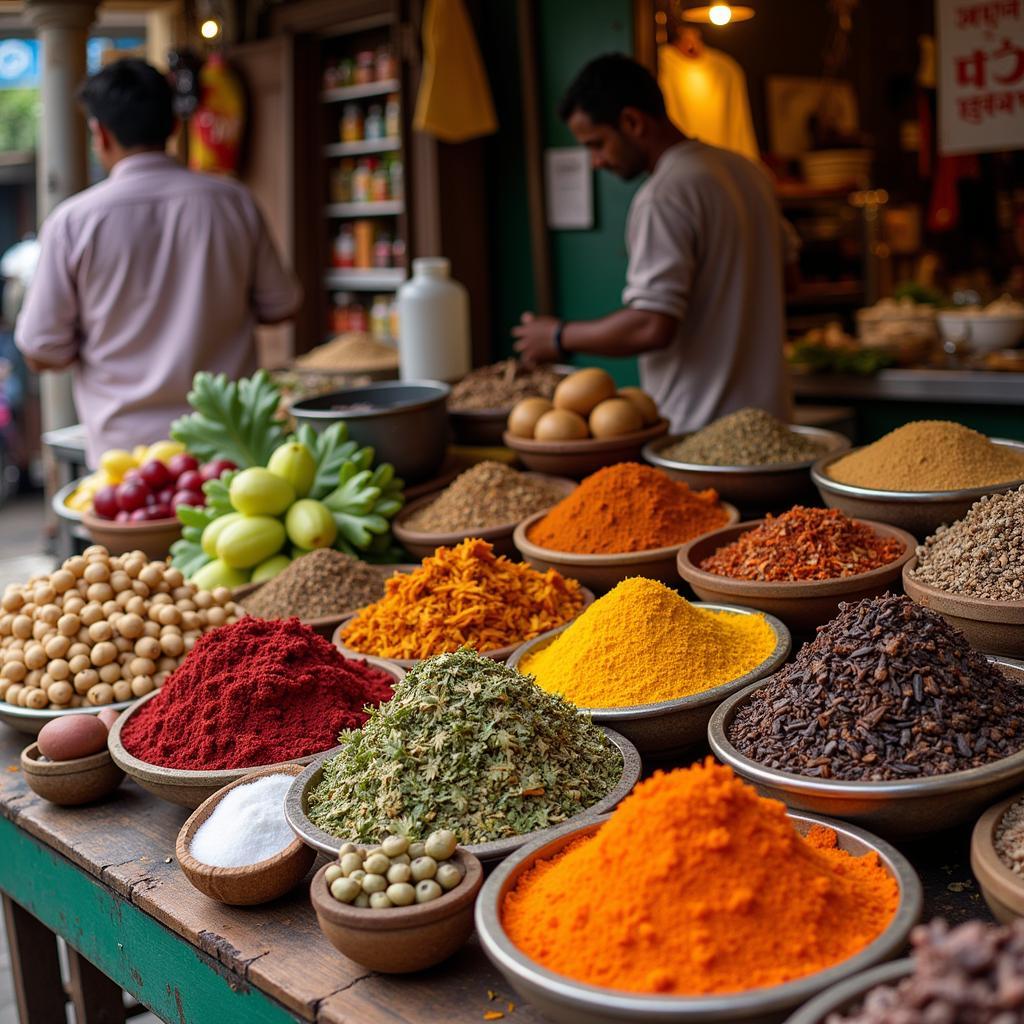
<point>466,744</point>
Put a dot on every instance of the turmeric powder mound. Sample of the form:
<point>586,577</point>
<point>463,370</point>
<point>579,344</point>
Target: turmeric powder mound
<point>462,596</point>
<point>642,643</point>
<point>698,886</point>
<point>628,507</point>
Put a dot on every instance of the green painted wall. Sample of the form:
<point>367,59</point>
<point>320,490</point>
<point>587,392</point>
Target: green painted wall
<point>588,266</point>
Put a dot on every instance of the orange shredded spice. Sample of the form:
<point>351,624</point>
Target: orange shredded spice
<point>462,596</point>
<point>696,886</point>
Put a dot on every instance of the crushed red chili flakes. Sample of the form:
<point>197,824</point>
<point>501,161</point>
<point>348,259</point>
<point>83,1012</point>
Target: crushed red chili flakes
<point>804,544</point>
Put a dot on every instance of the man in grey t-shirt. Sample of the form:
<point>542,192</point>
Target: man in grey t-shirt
<point>704,296</point>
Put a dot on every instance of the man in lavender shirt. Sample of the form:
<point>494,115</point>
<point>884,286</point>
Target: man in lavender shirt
<point>150,275</point>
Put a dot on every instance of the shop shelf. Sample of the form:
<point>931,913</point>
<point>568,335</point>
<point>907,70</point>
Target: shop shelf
<point>369,279</point>
<point>362,147</point>
<point>358,92</point>
<point>388,208</point>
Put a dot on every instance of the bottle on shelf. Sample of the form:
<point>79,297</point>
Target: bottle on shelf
<point>343,252</point>
<point>434,313</point>
<point>382,250</point>
<point>393,117</point>
<point>398,253</point>
<point>358,318</point>
<point>352,125</point>
<point>341,181</point>
<point>393,319</point>
<point>362,181</point>
<point>340,320</point>
<point>380,183</point>
<point>396,172</point>
<point>385,65</point>
<point>364,238</point>
<point>373,126</point>
<point>365,71</point>
<point>380,323</point>
<point>346,71</point>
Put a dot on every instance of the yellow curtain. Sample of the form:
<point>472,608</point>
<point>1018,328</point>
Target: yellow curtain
<point>454,102</point>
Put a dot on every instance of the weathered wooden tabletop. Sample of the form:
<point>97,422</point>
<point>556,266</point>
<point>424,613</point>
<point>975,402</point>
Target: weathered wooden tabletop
<point>104,877</point>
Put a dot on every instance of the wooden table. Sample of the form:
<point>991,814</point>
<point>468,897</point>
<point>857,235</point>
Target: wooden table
<point>104,878</point>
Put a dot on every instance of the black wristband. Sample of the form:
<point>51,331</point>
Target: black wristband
<point>560,352</point>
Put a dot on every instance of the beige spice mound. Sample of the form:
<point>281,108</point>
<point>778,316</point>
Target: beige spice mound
<point>1009,840</point>
<point>929,455</point>
<point>354,352</point>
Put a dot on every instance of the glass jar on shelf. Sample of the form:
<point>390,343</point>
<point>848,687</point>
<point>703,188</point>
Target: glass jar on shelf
<point>352,125</point>
<point>346,71</point>
<point>358,320</point>
<point>382,250</point>
<point>393,318</point>
<point>364,232</point>
<point>393,117</point>
<point>380,321</point>
<point>340,311</point>
<point>362,181</point>
<point>373,126</point>
<point>341,181</point>
<point>343,251</point>
<point>396,174</point>
<point>365,70</point>
<point>398,252</point>
<point>380,184</point>
<point>386,66</point>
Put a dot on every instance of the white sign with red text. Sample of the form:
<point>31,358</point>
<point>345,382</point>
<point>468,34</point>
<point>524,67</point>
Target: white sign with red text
<point>980,75</point>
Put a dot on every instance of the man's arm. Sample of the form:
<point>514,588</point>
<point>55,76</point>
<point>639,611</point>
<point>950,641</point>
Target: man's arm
<point>626,332</point>
<point>276,294</point>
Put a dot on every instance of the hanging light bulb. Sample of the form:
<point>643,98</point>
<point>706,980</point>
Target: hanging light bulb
<point>718,14</point>
<point>210,28</point>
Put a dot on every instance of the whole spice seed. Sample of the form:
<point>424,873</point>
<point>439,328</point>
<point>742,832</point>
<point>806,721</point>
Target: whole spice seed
<point>696,885</point>
<point>749,437</point>
<point>981,555</point>
<point>971,974</point>
<point>642,643</point>
<point>887,690</point>
<point>1009,841</point>
<point>501,385</point>
<point>804,544</point>
<point>469,745</point>
<point>628,507</point>
<point>489,494</point>
<point>324,582</point>
<point>929,455</point>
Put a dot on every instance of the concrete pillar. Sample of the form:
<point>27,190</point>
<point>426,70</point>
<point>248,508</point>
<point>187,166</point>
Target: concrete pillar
<point>63,169</point>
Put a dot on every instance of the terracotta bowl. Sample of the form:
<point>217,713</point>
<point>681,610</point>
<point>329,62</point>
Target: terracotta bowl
<point>602,572</point>
<point>153,538</point>
<point>904,809</point>
<point>1002,888</point>
<point>70,783</point>
<point>849,994</point>
<point>672,726</point>
<point>919,512</point>
<point>401,940</point>
<point>422,544</point>
<point>253,883</point>
<point>297,807</point>
<point>567,1001</point>
<point>577,459</point>
<point>751,487</point>
<point>498,654</point>
<point>324,625</point>
<point>995,627</point>
<point>188,788</point>
<point>802,605</point>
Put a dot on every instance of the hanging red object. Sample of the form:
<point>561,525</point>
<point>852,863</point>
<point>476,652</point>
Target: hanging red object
<point>215,129</point>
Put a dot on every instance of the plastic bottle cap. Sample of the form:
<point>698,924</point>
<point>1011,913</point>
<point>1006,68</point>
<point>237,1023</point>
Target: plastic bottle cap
<point>431,266</point>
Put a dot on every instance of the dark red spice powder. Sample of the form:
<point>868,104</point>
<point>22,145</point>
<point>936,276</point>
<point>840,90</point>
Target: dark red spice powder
<point>253,693</point>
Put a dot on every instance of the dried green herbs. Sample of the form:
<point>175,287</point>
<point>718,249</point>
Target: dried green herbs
<point>466,744</point>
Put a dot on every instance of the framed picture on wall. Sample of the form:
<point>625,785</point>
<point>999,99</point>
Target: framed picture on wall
<point>795,102</point>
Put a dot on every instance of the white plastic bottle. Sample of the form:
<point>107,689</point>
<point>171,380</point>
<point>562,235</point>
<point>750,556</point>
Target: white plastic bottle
<point>433,314</point>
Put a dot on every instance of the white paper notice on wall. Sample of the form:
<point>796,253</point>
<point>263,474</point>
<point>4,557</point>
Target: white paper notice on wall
<point>981,75</point>
<point>568,188</point>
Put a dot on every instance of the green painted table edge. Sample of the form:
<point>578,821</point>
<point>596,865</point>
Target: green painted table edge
<point>173,978</point>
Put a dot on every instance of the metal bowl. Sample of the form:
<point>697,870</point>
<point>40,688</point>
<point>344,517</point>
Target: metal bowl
<point>919,512</point>
<point>849,994</point>
<point>902,809</point>
<point>297,802</point>
<point>573,1002</point>
<point>408,426</point>
<point>61,510</point>
<point>673,725</point>
<point>761,487</point>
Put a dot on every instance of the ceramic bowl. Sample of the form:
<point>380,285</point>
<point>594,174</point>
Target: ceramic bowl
<point>253,883</point>
<point>422,544</point>
<point>188,788</point>
<point>981,332</point>
<point>154,538</point>
<point>325,625</point>
<point>70,783</point>
<point>401,940</point>
<point>918,512</point>
<point>297,806</point>
<point>498,654</point>
<point>602,572</point>
<point>673,725</point>
<point>30,721</point>
<point>849,994</point>
<point>567,1001</point>
<point>1002,888</point>
<point>752,487</point>
<point>802,605</point>
<point>577,459</point>
<point>903,809</point>
<point>995,627</point>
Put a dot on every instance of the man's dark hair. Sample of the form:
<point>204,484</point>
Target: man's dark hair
<point>609,84</point>
<point>132,100</point>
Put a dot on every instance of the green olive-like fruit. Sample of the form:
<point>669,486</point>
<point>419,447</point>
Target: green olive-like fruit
<point>333,872</point>
<point>350,862</point>
<point>362,901</point>
<point>393,846</point>
<point>427,891</point>
<point>374,883</point>
<point>401,894</point>
<point>377,864</point>
<point>423,867</point>
<point>417,850</point>
<point>448,876</point>
<point>399,873</point>
<point>345,890</point>
<point>380,901</point>
<point>441,844</point>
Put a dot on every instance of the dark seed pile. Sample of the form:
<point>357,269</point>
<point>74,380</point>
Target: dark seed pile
<point>973,974</point>
<point>887,690</point>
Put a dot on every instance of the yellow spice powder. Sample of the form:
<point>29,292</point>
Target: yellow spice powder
<point>642,643</point>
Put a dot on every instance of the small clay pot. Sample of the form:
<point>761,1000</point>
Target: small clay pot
<point>70,783</point>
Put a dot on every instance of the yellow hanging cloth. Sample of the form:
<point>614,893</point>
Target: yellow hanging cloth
<point>454,102</point>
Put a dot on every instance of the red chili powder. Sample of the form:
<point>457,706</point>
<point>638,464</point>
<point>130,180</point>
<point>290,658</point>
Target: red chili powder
<point>253,693</point>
